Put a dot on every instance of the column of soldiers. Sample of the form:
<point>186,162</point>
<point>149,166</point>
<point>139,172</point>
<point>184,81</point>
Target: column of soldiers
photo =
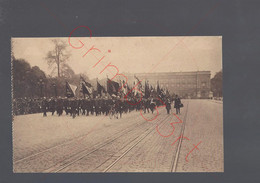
<point>27,106</point>
<point>88,106</point>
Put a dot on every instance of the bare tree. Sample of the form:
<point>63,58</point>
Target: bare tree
<point>58,57</point>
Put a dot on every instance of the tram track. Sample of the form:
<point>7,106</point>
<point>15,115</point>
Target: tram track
<point>175,158</point>
<point>74,141</point>
<point>134,145</point>
<point>138,139</point>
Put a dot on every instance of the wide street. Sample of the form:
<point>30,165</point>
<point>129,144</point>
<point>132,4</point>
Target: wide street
<point>192,143</point>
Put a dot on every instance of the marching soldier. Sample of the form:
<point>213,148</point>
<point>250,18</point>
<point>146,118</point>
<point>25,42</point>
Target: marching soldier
<point>104,107</point>
<point>59,106</point>
<point>177,104</point>
<point>73,105</point>
<point>168,106</point>
<point>92,104</point>
<point>89,106</point>
<point>78,108</point>
<point>44,106</point>
<point>120,107</point>
<point>15,107</point>
<point>146,105</point>
<point>98,103</point>
<point>66,105</point>
<point>52,106</point>
<point>83,106</point>
<point>152,105</point>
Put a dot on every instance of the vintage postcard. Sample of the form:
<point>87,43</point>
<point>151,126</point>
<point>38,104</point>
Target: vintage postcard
<point>117,104</point>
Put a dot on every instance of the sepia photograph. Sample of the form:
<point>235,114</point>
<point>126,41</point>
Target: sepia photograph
<point>117,104</point>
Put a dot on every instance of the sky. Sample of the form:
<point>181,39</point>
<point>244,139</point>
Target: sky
<point>127,54</point>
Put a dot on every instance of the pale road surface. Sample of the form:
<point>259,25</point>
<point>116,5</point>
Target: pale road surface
<point>129,144</point>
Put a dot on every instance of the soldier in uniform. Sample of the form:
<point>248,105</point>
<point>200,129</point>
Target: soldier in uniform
<point>168,106</point>
<point>125,105</point>
<point>131,104</point>
<point>52,106</point>
<point>78,108</point>
<point>83,106</point>
<point>104,106</point>
<point>44,106</point>
<point>15,107</point>
<point>147,105</point>
<point>142,105</point>
<point>117,106</point>
<point>69,105</point>
<point>88,106</point>
<point>21,106</point>
<point>92,104</point>
<point>25,105</point>
<point>98,106</point>
<point>177,104</point>
<point>66,105</point>
<point>109,105</point>
<point>121,107</point>
<point>152,105</point>
<point>73,105</point>
<point>37,106</point>
<point>59,106</point>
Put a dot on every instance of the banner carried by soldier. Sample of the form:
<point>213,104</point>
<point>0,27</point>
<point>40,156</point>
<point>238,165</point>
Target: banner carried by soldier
<point>112,87</point>
<point>70,90</point>
<point>124,87</point>
<point>86,87</point>
<point>147,91</point>
<point>100,89</point>
<point>139,87</point>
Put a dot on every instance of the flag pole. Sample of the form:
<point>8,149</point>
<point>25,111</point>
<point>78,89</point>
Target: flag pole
<point>84,95</point>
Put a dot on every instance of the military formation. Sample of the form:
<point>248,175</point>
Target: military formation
<point>87,106</point>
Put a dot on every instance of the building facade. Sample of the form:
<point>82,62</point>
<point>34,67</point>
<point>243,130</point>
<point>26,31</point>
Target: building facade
<point>185,84</point>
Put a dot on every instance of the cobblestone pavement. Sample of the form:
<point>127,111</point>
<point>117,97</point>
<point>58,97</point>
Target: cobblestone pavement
<point>129,144</point>
<point>204,123</point>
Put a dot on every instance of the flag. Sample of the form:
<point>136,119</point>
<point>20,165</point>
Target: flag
<point>129,92</point>
<point>134,92</point>
<point>167,93</point>
<point>163,93</point>
<point>86,87</point>
<point>70,90</point>
<point>138,81</point>
<point>128,88</point>
<point>151,89</point>
<point>139,87</point>
<point>100,89</point>
<point>124,87</point>
<point>147,91</point>
<point>158,88</point>
<point>112,87</point>
<point>153,92</point>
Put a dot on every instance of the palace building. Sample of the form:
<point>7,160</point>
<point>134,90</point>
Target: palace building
<point>185,84</point>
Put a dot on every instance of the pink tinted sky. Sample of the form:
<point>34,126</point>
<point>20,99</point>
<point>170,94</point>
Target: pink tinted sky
<point>129,54</point>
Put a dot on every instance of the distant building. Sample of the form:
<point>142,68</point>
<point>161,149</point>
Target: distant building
<point>185,84</point>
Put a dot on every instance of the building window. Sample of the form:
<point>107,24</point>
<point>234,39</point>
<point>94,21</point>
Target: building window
<point>203,84</point>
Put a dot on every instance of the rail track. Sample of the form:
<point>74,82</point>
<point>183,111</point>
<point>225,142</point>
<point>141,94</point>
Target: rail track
<point>177,153</point>
<point>77,140</point>
<point>135,144</point>
<point>135,140</point>
<point>66,163</point>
